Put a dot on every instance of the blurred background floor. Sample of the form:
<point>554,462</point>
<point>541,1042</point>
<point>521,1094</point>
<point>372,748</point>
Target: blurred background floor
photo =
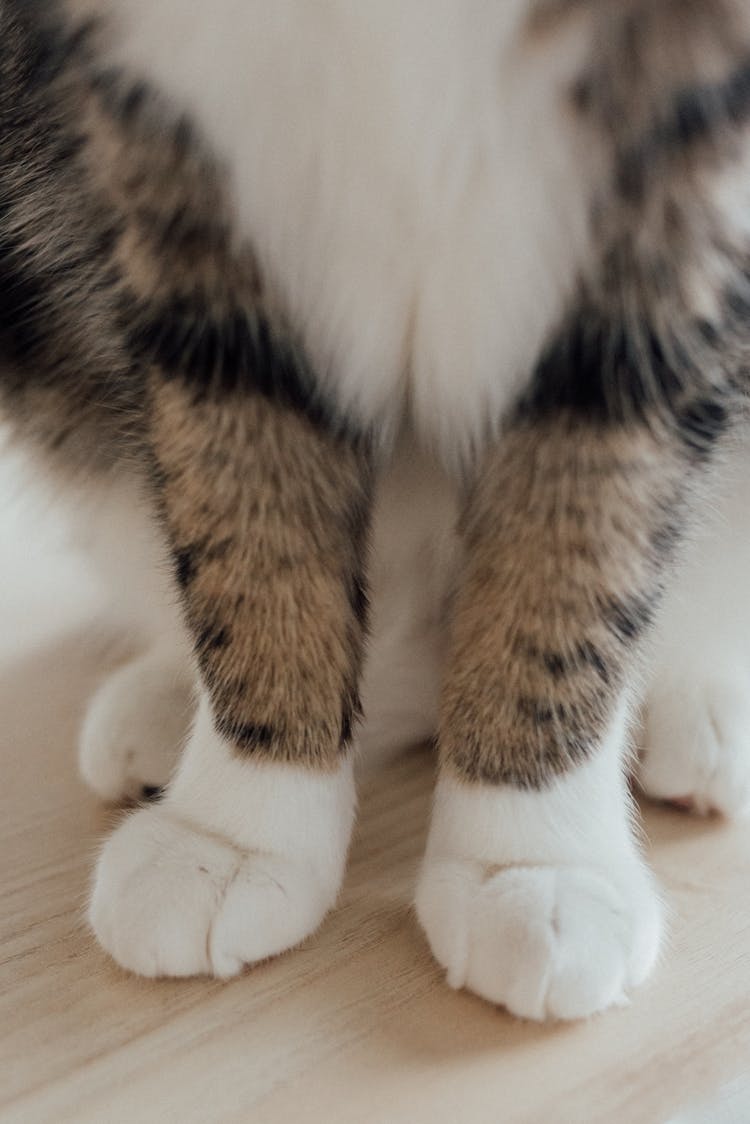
<point>358,1024</point>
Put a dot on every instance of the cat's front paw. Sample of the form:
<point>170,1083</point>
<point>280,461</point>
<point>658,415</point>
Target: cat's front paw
<point>171,900</point>
<point>135,726</point>
<point>696,743</point>
<point>546,942</point>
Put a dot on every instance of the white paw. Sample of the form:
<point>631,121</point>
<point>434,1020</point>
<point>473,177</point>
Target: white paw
<point>544,942</point>
<point>539,899</point>
<point>169,900</point>
<point>696,743</point>
<point>135,726</point>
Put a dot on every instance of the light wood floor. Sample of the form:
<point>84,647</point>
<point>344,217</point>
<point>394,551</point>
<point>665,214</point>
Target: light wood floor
<point>357,1025</point>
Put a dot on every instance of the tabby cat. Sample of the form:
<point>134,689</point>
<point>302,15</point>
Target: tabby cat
<point>476,272</point>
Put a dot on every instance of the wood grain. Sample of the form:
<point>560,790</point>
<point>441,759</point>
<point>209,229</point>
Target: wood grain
<point>358,1024</point>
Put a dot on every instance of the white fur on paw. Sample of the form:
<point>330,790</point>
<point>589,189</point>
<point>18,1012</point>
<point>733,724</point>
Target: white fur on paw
<point>169,900</point>
<point>135,726</point>
<point>696,744</point>
<point>546,942</point>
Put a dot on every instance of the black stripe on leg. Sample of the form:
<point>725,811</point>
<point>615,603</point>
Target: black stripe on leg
<point>245,735</point>
<point>186,565</point>
<point>560,665</point>
<point>221,353</point>
<point>212,637</point>
<point>38,292</point>
<point>24,327</point>
<point>628,618</point>
<point>349,716</point>
<point>602,371</point>
<point>696,114</point>
<point>702,421</point>
<point>359,600</point>
<point>189,557</point>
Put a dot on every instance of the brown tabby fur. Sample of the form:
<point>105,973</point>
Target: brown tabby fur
<point>265,508</point>
<point>140,332</point>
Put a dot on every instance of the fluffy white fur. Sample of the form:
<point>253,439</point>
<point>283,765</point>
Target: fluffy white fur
<point>416,198</point>
<point>239,862</point>
<point>541,901</point>
<point>410,184</point>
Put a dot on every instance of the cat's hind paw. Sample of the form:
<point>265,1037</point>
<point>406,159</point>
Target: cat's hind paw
<point>135,726</point>
<point>545,942</point>
<point>169,900</point>
<point>696,746</point>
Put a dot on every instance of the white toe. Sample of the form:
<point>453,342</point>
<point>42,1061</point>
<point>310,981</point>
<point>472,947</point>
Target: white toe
<point>539,900</point>
<point>696,744</point>
<point>169,900</point>
<point>544,942</point>
<point>240,861</point>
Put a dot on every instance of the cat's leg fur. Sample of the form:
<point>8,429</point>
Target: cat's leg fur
<point>694,744</point>
<point>534,892</point>
<point>266,515</point>
<point>241,860</point>
<point>69,380</point>
<point>139,331</point>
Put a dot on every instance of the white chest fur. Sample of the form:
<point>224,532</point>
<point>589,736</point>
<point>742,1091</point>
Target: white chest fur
<point>407,173</point>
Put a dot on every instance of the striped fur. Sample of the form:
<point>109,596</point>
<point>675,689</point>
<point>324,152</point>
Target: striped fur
<point>238,279</point>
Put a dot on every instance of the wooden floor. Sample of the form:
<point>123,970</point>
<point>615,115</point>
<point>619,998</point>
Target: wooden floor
<point>358,1025</point>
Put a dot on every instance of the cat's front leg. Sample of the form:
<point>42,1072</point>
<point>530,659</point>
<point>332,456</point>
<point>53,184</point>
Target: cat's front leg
<point>240,861</point>
<point>534,893</point>
<point>266,511</point>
